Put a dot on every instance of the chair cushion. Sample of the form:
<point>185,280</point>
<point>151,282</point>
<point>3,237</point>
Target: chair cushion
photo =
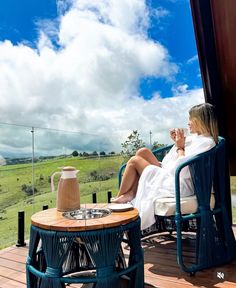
<point>166,206</point>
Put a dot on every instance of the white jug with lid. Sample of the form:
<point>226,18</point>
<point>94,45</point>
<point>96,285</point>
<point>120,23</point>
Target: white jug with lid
<point>68,193</point>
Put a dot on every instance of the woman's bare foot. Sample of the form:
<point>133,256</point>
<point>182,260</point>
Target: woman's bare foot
<point>113,199</point>
<point>124,198</point>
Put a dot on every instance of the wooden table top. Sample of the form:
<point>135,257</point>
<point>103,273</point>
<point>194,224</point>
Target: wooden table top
<point>51,219</point>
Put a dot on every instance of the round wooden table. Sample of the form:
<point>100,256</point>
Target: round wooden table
<point>51,219</point>
<point>61,250</point>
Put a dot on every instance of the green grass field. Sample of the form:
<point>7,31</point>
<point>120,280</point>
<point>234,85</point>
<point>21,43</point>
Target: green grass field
<point>13,199</point>
<point>12,177</point>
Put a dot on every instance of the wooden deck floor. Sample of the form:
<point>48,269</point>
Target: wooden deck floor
<point>161,269</point>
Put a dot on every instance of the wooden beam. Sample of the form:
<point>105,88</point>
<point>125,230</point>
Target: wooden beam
<point>214,26</point>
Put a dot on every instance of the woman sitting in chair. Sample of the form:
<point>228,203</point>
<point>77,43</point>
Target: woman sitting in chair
<point>146,179</point>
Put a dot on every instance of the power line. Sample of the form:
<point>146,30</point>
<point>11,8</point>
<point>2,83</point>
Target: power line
<point>45,128</point>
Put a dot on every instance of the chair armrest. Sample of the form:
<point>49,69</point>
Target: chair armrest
<point>120,173</point>
<point>177,184</point>
<point>161,152</point>
<point>194,159</point>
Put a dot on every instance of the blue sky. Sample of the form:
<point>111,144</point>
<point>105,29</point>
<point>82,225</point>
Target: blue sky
<point>112,66</point>
<point>176,33</point>
<point>19,20</point>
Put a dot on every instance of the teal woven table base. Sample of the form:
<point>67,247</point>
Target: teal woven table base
<point>60,253</point>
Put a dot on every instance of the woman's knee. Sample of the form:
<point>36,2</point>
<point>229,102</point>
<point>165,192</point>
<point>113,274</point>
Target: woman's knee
<point>142,152</point>
<point>133,160</point>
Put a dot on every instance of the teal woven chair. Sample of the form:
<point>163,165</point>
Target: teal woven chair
<point>215,243</point>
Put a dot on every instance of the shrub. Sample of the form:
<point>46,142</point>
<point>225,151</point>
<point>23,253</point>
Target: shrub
<point>28,189</point>
<point>95,176</point>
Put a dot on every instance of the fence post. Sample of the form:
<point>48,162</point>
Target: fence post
<point>94,197</point>
<point>21,229</point>
<point>109,195</point>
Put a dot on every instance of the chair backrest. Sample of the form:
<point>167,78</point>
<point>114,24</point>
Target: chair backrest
<point>207,170</point>
<point>215,243</point>
<point>222,179</point>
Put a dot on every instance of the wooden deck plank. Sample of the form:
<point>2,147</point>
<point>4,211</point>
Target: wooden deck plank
<point>161,269</point>
<point>17,266</point>
<point>206,278</point>
<point>11,284</point>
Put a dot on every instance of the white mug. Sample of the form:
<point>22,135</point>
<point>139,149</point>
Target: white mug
<point>185,130</point>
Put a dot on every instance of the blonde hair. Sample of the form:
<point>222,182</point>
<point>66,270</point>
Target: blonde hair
<point>204,117</point>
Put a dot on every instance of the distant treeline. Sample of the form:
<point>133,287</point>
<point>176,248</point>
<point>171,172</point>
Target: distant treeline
<point>25,160</point>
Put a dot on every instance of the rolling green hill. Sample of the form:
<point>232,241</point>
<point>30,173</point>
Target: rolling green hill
<point>96,175</point>
<point>12,177</point>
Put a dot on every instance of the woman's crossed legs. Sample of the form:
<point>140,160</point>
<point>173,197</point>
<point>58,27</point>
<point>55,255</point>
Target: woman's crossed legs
<point>133,171</point>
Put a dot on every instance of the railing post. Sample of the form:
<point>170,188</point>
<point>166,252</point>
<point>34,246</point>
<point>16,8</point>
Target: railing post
<point>94,197</point>
<point>21,229</point>
<point>109,195</point>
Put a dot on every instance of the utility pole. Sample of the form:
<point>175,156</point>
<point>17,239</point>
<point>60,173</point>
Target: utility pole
<point>150,137</point>
<point>32,131</point>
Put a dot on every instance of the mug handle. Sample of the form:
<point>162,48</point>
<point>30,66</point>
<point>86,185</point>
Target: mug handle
<point>52,180</point>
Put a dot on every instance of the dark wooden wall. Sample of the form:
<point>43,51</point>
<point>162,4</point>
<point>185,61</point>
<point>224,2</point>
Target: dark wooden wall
<point>215,31</point>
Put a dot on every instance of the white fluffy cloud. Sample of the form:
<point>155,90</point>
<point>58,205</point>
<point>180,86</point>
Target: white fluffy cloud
<point>91,83</point>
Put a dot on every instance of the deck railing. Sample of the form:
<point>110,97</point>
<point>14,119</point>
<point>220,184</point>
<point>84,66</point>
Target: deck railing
<point>28,158</point>
<point>32,154</point>
<point>21,220</point>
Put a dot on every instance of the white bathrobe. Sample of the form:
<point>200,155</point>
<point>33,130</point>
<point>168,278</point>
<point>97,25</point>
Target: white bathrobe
<point>159,182</point>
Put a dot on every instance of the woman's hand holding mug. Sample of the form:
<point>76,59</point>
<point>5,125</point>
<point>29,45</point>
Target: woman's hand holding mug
<point>180,138</point>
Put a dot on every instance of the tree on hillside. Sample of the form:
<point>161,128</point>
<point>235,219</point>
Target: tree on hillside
<point>75,153</point>
<point>132,144</point>
<point>94,153</point>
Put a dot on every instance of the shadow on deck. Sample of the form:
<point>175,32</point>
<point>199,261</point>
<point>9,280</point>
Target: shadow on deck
<point>161,269</point>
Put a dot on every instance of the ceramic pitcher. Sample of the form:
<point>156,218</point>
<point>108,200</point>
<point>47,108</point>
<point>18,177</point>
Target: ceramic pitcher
<point>68,193</point>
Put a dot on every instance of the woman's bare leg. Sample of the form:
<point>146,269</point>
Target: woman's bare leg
<point>129,183</point>
<point>147,154</point>
<point>133,170</point>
